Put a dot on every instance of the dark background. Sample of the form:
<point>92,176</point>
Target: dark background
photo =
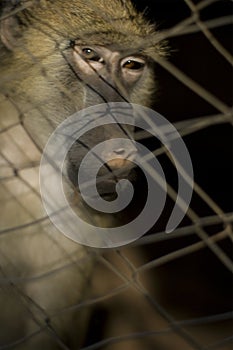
<point>202,282</point>
<point>211,148</point>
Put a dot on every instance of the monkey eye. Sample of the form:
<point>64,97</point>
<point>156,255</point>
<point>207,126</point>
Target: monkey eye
<point>91,55</point>
<point>133,64</point>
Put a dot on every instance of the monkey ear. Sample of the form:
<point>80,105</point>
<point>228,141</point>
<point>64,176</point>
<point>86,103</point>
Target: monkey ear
<point>10,32</point>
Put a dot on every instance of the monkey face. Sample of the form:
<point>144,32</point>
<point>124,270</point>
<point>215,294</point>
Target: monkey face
<point>107,75</point>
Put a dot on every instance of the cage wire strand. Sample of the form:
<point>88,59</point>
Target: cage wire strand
<point>126,269</point>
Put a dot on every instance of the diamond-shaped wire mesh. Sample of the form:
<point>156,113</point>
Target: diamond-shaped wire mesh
<point>164,291</point>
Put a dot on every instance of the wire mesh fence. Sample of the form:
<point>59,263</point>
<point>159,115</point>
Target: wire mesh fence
<point>163,291</point>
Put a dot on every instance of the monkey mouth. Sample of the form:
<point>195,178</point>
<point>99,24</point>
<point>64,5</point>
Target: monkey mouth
<point>104,185</point>
<point>106,188</point>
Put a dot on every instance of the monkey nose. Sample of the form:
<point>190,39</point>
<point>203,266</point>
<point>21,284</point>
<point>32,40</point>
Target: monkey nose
<point>118,163</point>
<point>120,157</point>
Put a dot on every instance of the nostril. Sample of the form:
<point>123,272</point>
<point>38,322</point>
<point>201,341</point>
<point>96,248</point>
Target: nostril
<point>119,151</point>
<point>128,154</point>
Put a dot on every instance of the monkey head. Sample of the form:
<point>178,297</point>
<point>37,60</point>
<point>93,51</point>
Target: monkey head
<point>62,56</point>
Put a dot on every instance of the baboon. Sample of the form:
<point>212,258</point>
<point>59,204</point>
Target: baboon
<point>58,57</point>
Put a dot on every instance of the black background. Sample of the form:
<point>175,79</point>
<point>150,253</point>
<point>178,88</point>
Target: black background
<point>211,148</point>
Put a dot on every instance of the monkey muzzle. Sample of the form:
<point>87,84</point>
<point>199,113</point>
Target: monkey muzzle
<point>106,168</point>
